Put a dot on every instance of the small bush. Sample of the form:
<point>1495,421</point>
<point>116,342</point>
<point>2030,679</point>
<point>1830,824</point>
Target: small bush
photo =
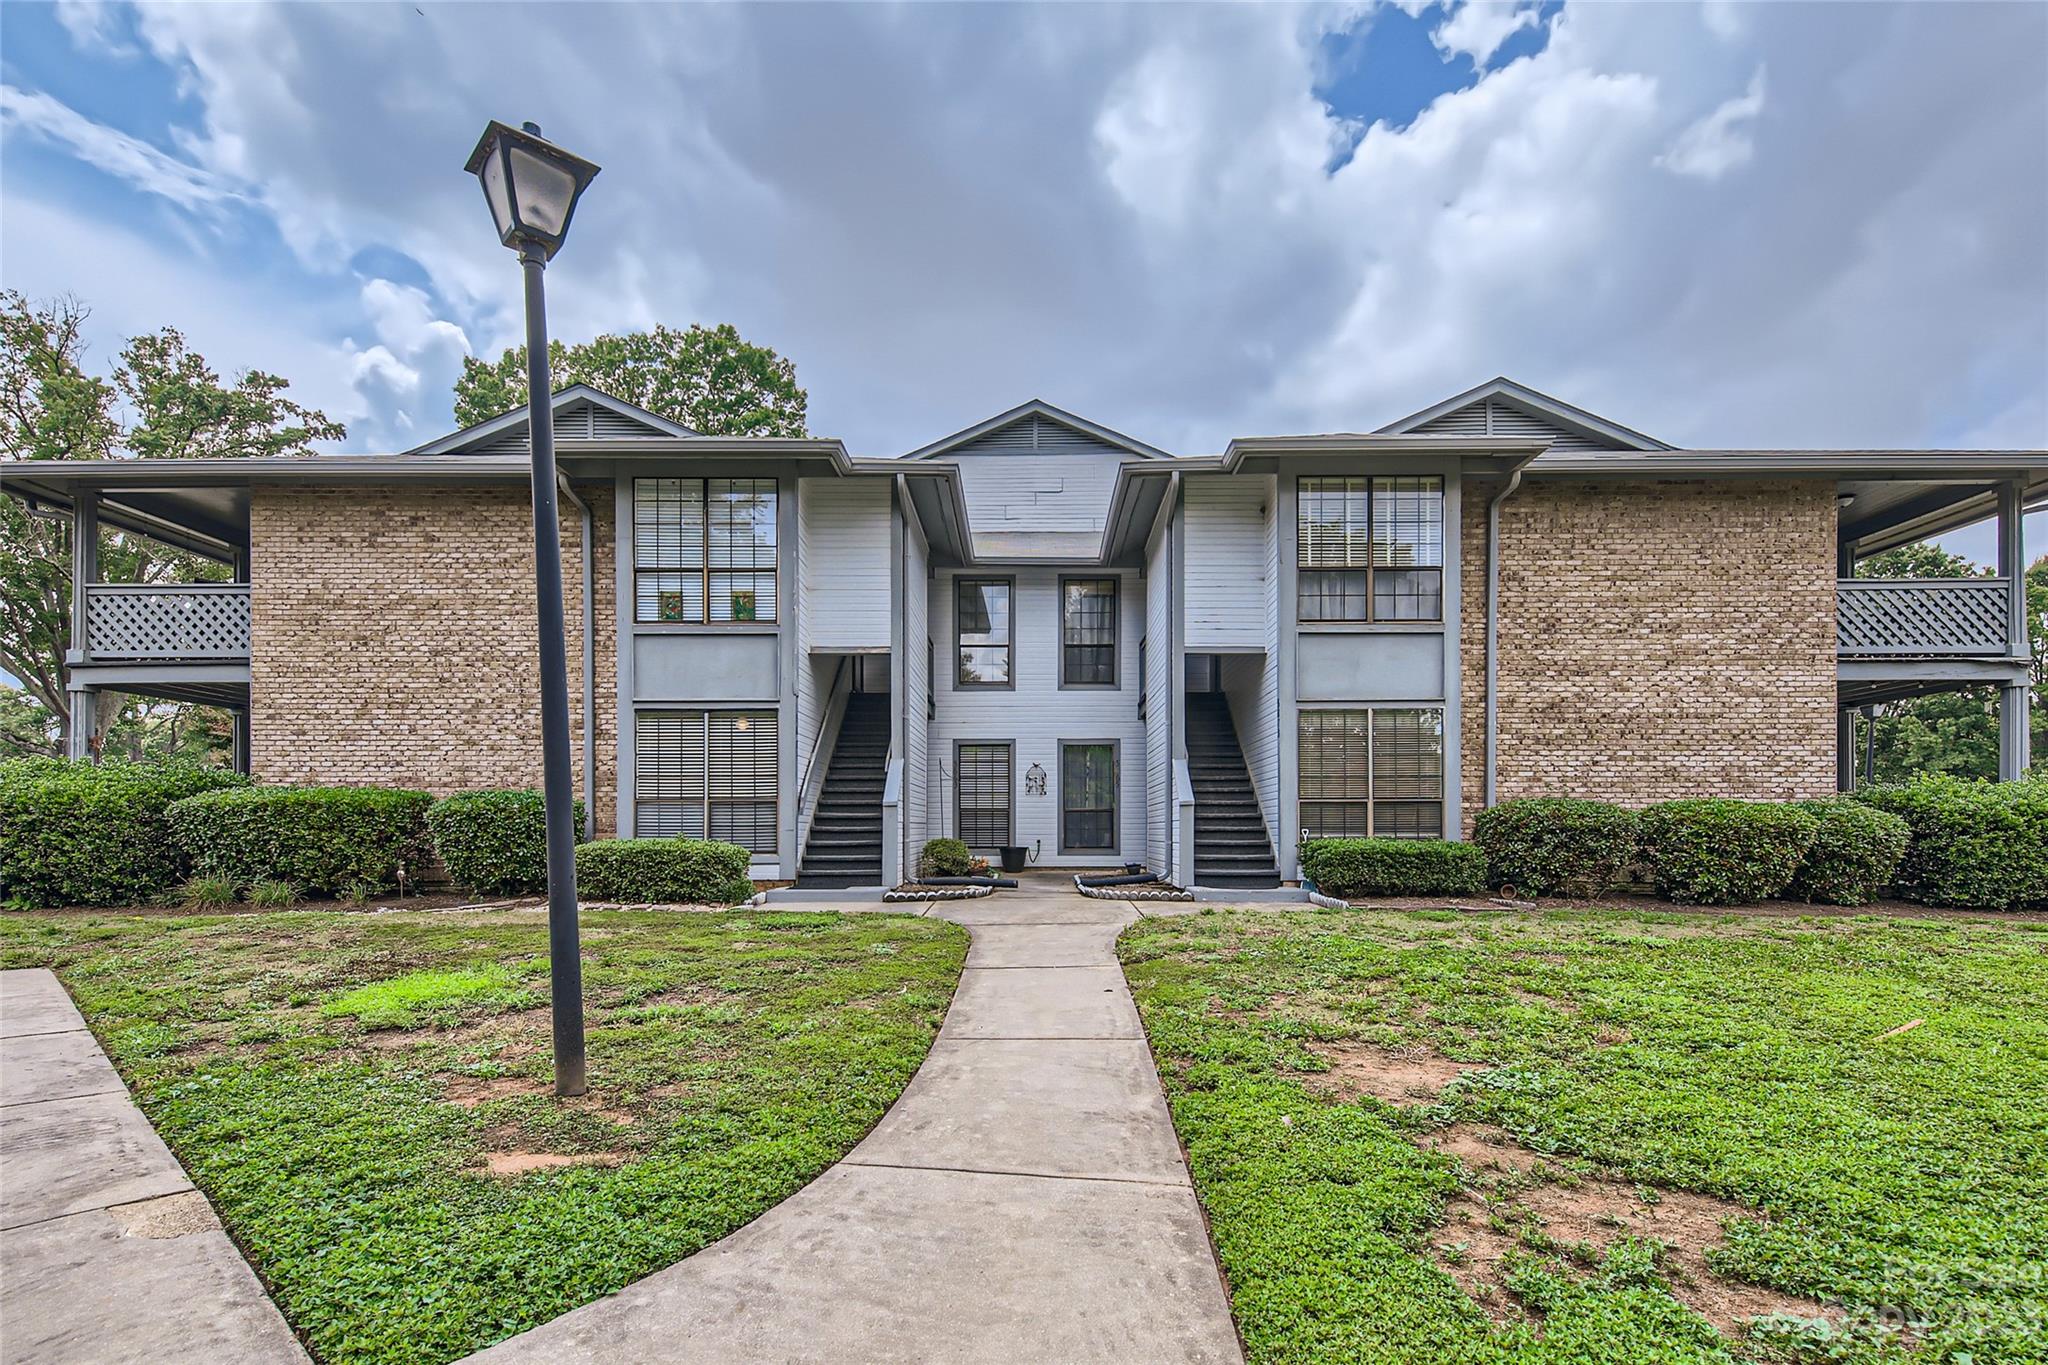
<point>1725,852</point>
<point>273,894</point>
<point>319,838</point>
<point>1856,850</point>
<point>945,858</point>
<point>209,893</point>
<point>494,842</point>
<point>1975,845</point>
<point>1393,867</point>
<point>94,834</point>
<point>663,871</point>
<point>1557,846</point>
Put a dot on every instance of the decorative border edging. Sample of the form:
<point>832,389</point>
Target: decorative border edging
<point>1327,902</point>
<point>1134,891</point>
<point>941,893</point>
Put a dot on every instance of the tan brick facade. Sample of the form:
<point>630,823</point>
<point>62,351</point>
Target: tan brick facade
<point>393,638</point>
<point>1657,639</point>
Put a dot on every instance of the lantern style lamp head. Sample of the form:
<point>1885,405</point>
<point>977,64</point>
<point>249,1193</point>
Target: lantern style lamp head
<point>531,185</point>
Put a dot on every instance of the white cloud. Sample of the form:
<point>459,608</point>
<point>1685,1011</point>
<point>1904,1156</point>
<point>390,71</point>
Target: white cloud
<point>405,375</point>
<point>1477,28</point>
<point>1721,141</point>
<point>93,28</point>
<point>145,167</point>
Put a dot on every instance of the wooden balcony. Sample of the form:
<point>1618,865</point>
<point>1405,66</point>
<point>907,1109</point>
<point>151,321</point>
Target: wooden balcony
<point>1923,618</point>
<point>190,623</point>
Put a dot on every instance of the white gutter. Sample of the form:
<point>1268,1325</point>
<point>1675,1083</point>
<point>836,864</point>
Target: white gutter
<point>589,668</point>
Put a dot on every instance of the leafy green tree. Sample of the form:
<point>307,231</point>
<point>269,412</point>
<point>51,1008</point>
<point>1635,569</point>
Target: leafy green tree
<point>709,379</point>
<point>159,400</point>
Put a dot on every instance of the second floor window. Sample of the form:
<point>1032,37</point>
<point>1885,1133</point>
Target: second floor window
<point>704,550</point>
<point>1088,632</point>
<point>1370,549</point>
<point>985,642</point>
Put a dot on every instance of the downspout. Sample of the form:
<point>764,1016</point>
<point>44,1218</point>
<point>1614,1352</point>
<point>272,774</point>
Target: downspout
<point>589,668</point>
<point>1493,620</point>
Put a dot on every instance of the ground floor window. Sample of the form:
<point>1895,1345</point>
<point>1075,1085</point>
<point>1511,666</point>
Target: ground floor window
<point>1376,771</point>
<point>982,795</point>
<point>1087,797</point>
<point>706,774</point>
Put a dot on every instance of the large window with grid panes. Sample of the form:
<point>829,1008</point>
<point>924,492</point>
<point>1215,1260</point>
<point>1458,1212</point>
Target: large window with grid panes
<point>704,550</point>
<point>1372,771</point>
<point>706,774</point>
<point>1369,549</point>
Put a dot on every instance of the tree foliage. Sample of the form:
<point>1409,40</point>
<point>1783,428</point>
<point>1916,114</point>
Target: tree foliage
<point>159,400</point>
<point>709,379</point>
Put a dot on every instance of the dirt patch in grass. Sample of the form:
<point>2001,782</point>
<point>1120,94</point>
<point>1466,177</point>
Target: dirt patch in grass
<point>512,1036</point>
<point>1399,1076</point>
<point>1518,1199</point>
<point>520,1163</point>
<point>467,1092</point>
<point>172,1215</point>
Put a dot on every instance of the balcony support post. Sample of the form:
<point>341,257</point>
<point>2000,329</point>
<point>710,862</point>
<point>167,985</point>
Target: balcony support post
<point>85,719</point>
<point>2014,740</point>
<point>85,569</point>
<point>1845,748</point>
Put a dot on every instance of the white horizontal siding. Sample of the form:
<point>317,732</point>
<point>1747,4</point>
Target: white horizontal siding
<point>917,674</point>
<point>1037,715</point>
<point>1065,489</point>
<point>1159,689</point>
<point>1225,595</point>
<point>843,529</point>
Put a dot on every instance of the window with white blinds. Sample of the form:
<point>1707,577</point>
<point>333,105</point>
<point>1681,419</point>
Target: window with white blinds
<point>1374,772</point>
<point>704,550</point>
<point>1370,549</point>
<point>706,774</point>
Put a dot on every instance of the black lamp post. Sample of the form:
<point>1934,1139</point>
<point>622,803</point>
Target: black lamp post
<point>532,187</point>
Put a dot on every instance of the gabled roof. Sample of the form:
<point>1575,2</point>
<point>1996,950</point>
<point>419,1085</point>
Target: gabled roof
<point>604,416</point>
<point>1502,392</point>
<point>1027,426</point>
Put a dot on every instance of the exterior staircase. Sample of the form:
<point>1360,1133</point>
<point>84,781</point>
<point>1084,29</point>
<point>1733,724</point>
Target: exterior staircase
<point>1232,847</point>
<point>845,847</point>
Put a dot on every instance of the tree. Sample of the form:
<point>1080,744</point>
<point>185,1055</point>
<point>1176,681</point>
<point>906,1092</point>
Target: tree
<point>709,379</point>
<point>160,400</point>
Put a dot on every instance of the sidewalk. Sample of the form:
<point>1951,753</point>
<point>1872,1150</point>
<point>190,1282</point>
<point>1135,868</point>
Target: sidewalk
<point>107,1253</point>
<point>1024,1200</point>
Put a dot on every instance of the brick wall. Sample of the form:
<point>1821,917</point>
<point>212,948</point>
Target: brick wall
<point>393,639</point>
<point>1657,639</point>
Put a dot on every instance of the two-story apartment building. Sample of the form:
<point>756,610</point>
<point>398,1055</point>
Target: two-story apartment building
<point>1042,633</point>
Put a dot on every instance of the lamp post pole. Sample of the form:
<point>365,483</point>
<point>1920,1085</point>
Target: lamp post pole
<point>565,953</point>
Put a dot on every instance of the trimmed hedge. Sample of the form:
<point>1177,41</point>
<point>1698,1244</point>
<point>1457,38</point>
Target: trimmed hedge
<point>945,858</point>
<point>320,839</point>
<point>1393,867</point>
<point>663,871</point>
<point>94,834</point>
<point>494,842</point>
<point>1975,845</point>
<point>1557,846</point>
<point>1856,851</point>
<point>1710,852</point>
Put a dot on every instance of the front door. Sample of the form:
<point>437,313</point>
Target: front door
<point>1087,798</point>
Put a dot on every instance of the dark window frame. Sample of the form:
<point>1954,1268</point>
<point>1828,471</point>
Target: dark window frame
<point>1116,781</point>
<point>1372,800</point>
<point>1009,748</point>
<point>1009,683</point>
<point>1116,619</point>
<point>1366,573</point>
<point>704,569</point>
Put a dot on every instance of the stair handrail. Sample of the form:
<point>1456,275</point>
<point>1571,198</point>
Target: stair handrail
<point>807,801</point>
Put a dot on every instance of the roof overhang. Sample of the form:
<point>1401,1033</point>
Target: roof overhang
<point>937,500</point>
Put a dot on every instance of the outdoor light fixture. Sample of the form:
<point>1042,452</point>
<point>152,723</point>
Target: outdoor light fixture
<point>532,187</point>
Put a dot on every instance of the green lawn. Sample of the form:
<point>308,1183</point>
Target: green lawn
<point>345,1085</point>
<point>1648,1072</point>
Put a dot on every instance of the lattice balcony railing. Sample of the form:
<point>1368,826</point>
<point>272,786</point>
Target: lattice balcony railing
<point>185,621</point>
<point>1906,616</point>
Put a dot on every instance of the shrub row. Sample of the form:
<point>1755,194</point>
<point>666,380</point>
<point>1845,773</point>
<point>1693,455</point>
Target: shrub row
<point>320,839</point>
<point>94,833</point>
<point>494,842</point>
<point>1977,845</point>
<point>1394,867</point>
<point>663,871</point>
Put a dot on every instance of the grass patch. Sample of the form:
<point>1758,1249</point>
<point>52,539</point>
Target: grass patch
<point>1630,1068</point>
<point>344,1086</point>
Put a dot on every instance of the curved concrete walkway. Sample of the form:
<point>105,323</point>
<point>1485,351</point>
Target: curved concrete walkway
<point>1024,1200</point>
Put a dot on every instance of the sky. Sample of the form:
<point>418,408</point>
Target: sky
<point>1726,225</point>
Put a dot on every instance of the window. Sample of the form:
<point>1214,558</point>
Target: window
<point>704,543</point>
<point>1370,549</point>
<point>981,799</point>
<point>1087,797</point>
<point>983,631</point>
<point>706,774</point>
<point>1088,632</point>
<point>1377,772</point>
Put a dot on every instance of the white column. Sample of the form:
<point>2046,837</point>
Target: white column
<point>2013,738</point>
